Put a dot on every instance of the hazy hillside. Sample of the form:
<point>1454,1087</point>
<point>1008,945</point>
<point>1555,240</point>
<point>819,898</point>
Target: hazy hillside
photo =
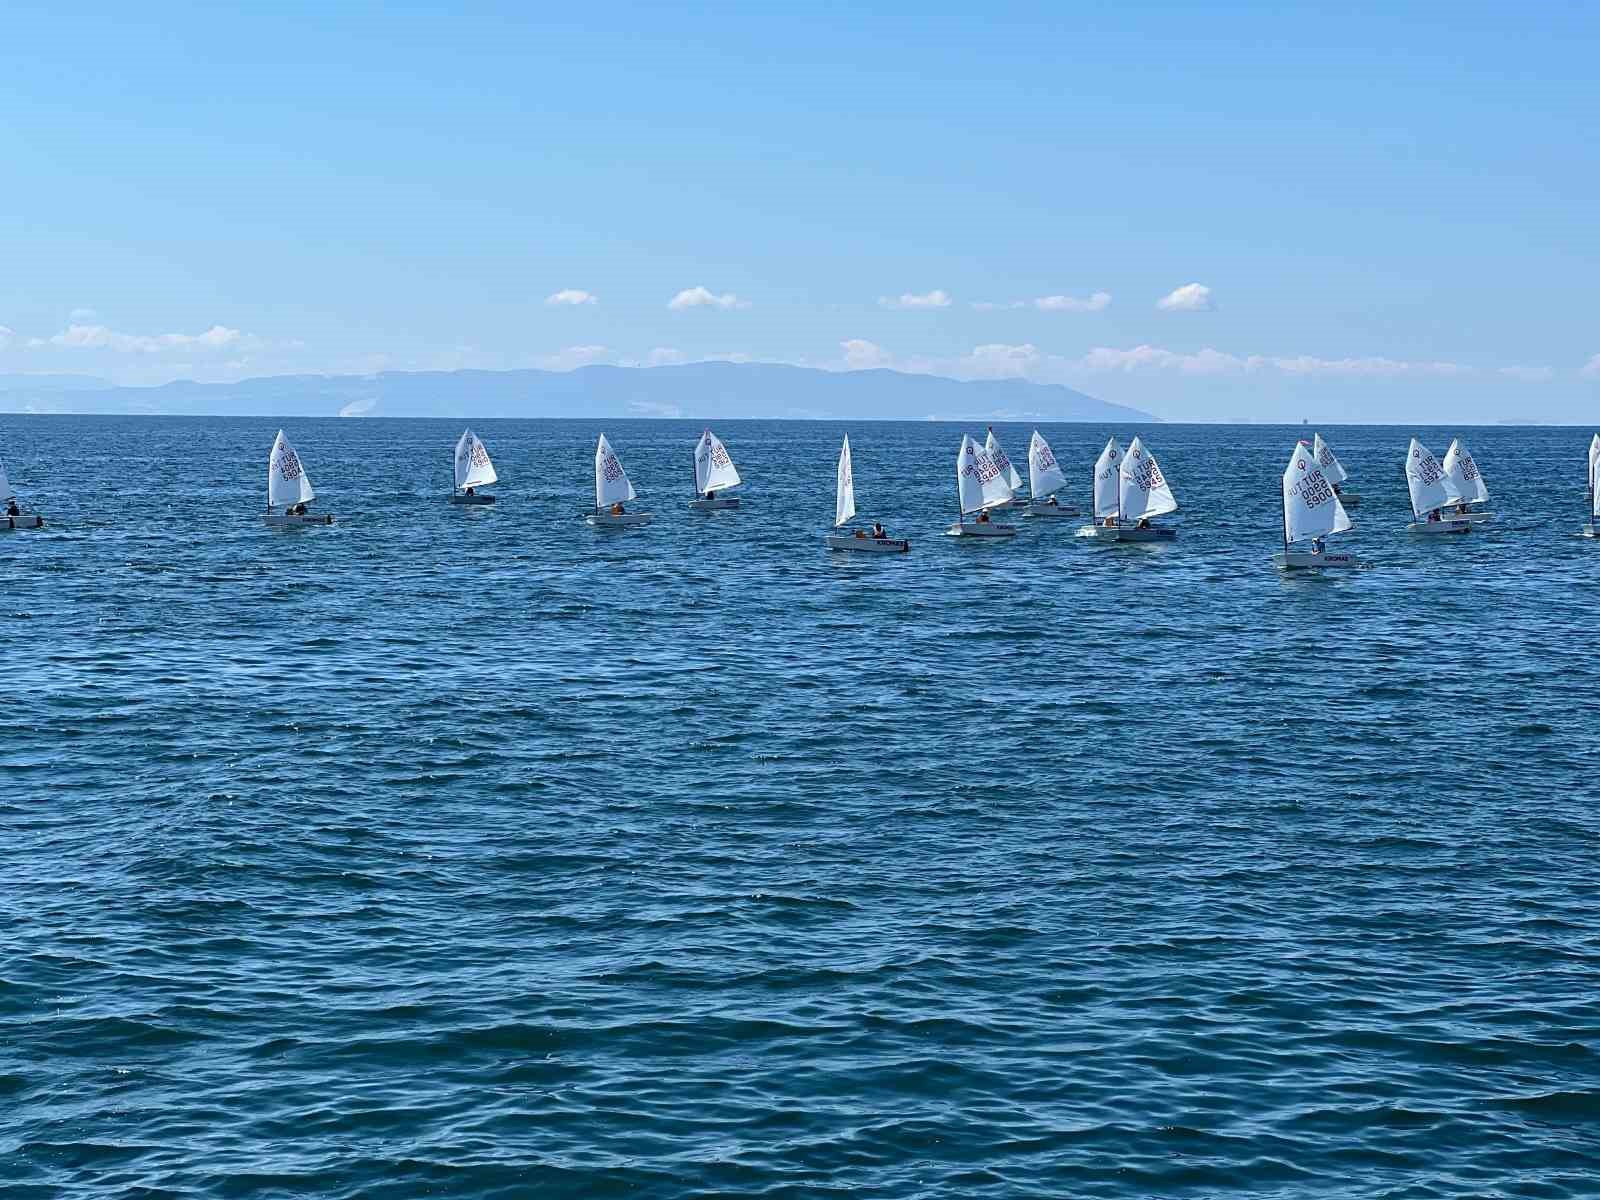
<point>698,390</point>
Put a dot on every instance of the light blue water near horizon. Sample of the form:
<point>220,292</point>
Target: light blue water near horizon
<point>478,853</point>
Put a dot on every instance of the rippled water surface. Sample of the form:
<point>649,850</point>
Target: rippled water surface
<point>479,853</point>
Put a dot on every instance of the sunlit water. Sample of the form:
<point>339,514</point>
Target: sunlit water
<point>477,853</point>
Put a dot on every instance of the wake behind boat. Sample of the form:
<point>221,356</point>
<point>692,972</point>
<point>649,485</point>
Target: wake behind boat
<point>289,486</point>
<point>612,491</point>
<point>980,487</point>
<point>714,473</point>
<point>473,471</point>
<point>844,508</point>
<point>12,516</point>
<point>1430,492</point>
<point>1311,510</point>
<point>1044,480</point>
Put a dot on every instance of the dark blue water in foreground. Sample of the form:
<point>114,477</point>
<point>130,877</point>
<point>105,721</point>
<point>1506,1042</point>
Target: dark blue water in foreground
<point>475,853</point>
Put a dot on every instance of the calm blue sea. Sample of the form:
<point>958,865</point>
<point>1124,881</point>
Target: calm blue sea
<point>476,853</point>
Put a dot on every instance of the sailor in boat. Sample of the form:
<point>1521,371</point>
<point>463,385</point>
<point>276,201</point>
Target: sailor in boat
<point>471,491</point>
<point>861,533</point>
<point>711,493</point>
<point>617,510</point>
<point>1051,502</point>
<point>983,517</point>
<point>1433,515</point>
<point>12,510</point>
<point>1144,523</point>
<point>877,531</point>
<point>1317,545</point>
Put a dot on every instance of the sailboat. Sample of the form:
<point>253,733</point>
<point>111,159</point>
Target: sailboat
<point>473,471</point>
<point>998,455</point>
<point>1464,478</point>
<point>1142,493</point>
<point>980,486</point>
<point>1429,493</point>
<point>289,485</point>
<point>1107,495</point>
<point>8,501</point>
<point>1311,509</point>
<point>1044,479</point>
<point>1592,529</point>
<point>612,489</point>
<point>1334,471</point>
<point>713,473</point>
<point>844,508</point>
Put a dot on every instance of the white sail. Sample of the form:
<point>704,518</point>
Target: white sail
<point>1107,472</point>
<point>287,481</point>
<point>1044,472</point>
<point>1463,473</point>
<point>1426,479</point>
<point>1332,468</point>
<point>1144,489</point>
<point>7,494</point>
<point>844,496</point>
<point>997,455</point>
<point>979,483</point>
<point>713,469</point>
<point>1594,467</point>
<point>473,468</point>
<point>611,485</point>
<point>1310,508</point>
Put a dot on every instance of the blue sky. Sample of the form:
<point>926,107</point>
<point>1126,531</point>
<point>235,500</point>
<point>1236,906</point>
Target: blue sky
<point>1384,209</point>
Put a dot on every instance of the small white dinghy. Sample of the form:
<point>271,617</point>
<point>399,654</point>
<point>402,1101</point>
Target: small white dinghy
<point>997,455</point>
<point>612,489</point>
<point>8,500</point>
<point>1592,529</point>
<point>1429,494</point>
<point>1464,479</point>
<point>1311,509</point>
<point>473,471</point>
<point>844,507</point>
<point>1107,495</point>
<point>1143,493</point>
<point>714,473</point>
<point>1334,471</point>
<point>289,486</point>
<point>980,486</point>
<point>1044,480</point>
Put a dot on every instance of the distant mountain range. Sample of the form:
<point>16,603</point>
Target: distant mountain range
<point>697,390</point>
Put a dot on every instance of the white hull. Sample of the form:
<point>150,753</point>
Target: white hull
<point>704,505</point>
<point>1297,560</point>
<point>1470,515</point>
<point>476,498</point>
<point>1039,508</point>
<point>605,520</point>
<point>981,529</point>
<point>1437,527</point>
<point>868,545</point>
<point>25,521</point>
<point>1128,533</point>
<point>284,520</point>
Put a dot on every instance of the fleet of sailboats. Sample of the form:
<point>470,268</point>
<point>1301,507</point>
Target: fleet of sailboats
<point>11,514</point>
<point>981,487</point>
<point>714,473</point>
<point>612,491</point>
<point>844,509</point>
<point>1430,493</point>
<point>289,488</point>
<point>1311,511</point>
<point>473,471</point>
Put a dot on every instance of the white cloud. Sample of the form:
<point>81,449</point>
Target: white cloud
<point>1218,362</point>
<point>663,356</point>
<point>938,298</point>
<point>1139,358</point>
<point>862,355</point>
<point>572,296</point>
<point>1529,374</point>
<point>1591,369</point>
<point>100,337</point>
<point>1191,297</point>
<point>1371,367</point>
<point>997,305</point>
<point>573,357</point>
<point>997,360</point>
<point>1095,303</point>
<point>700,297</point>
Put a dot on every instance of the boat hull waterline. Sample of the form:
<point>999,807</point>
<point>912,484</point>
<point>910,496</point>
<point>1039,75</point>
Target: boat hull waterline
<point>1309,560</point>
<point>1128,533</point>
<point>1438,527</point>
<point>463,498</point>
<point>1039,509</point>
<point>618,520</point>
<point>868,545</point>
<point>981,529</point>
<point>291,521</point>
<point>704,505</point>
<point>25,521</point>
